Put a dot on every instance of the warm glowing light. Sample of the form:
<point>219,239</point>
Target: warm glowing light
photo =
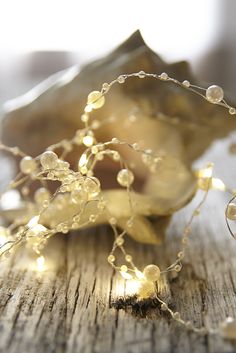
<point>3,239</point>
<point>218,184</point>
<point>132,287</point>
<point>88,140</point>
<point>35,226</point>
<point>139,274</point>
<point>88,108</point>
<point>205,173</point>
<point>33,222</point>
<point>38,228</point>
<point>40,263</point>
<point>126,275</point>
<point>83,160</point>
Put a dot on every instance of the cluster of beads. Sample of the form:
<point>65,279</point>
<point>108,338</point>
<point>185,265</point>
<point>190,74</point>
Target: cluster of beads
<point>80,189</point>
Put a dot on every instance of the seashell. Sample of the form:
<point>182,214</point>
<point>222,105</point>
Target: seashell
<point>159,115</point>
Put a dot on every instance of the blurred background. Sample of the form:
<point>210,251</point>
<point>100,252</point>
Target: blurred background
<point>39,38</point>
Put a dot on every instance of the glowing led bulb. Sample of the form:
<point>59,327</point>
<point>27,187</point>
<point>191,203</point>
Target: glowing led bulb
<point>126,275</point>
<point>83,160</point>
<point>88,140</point>
<point>139,274</point>
<point>33,222</point>
<point>218,184</point>
<point>35,227</point>
<point>40,261</point>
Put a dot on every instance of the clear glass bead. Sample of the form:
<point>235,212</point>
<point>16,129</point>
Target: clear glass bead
<point>214,94</point>
<point>105,86</point>
<point>232,111</point>
<point>92,186</point>
<point>176,315</point>
<point>85,118</point>
<point>121,79</point>
<point>164,307</point>
<point>28,165</point>
<point>94,150</point>
<point>164,76</point>
<point>92,218</point>
<point>41,195</point>
<point>96,100</point>
<point>186,83</point>
<point>152,273</point>
<point>120,241</point>
<point>113,221</point>
<point>124,268</point>
<point>49,160</point>
<point>177,268</point>
<point>125,177</point>
<point>147,158</point>
<point>111,258</point>
<point>128,258</point>
<point>141,74</point>
<point>79,196</point>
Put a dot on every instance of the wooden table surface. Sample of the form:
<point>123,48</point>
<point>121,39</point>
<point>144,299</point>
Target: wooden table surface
<point>74,306</point>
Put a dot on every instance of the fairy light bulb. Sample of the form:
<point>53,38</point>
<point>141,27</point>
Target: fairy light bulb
<point>33,222</point>
<point>40,262</point>
<point>218,184</point>
<point>82,165</point>
<point>205,172</point>
<point>35,227</point>
<point>126,275</point>
<point>139,274</point>
<point>132,287</point>
<point>88,140</point>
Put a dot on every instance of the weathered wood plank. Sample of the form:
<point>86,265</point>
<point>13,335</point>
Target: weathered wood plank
<point>69,308</point>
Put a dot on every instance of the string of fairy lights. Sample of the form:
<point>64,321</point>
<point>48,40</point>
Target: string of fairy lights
<point>79,200</point>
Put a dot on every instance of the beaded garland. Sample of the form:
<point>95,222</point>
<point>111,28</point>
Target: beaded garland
<point>81,189</point>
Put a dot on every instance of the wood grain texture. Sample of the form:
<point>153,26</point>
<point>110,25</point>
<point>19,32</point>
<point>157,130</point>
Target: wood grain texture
<point>72,307</point>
